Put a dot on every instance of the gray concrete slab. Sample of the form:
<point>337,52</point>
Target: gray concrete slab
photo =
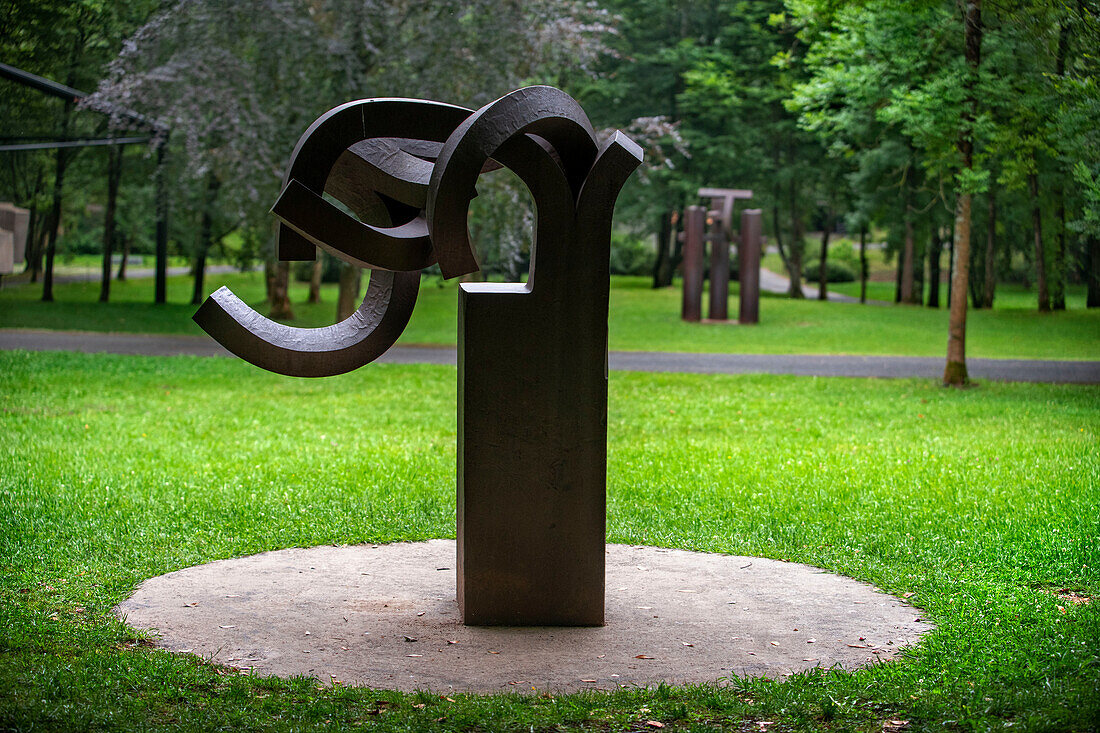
<point>385,616</point>
<point>1011,370</point>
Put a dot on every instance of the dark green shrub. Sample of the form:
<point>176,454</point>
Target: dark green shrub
<point>835,272</point>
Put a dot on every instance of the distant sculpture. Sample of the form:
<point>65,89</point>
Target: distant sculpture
<point>714,225</point>
<point>13,236</point>
<point>532,357</point>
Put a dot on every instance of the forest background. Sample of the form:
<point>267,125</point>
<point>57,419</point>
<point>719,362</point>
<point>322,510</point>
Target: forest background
<point>941,130</point>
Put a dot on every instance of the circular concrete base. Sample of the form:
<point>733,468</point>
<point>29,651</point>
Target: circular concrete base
<point>385,616</point>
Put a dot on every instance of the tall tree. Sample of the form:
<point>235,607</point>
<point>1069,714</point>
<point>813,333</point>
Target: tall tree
<point>955,373</point>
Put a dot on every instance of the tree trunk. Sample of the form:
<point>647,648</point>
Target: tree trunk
<point>897,279</point>
<point>1058,291</point>
<point>908,252</point>
<point>1058,267</point>
<point>662,269</point>
<point>1037,230</point>
<point>954,372</point>
<point>990,288</point>
<point>863,264</point>
<point>348,299</point>
<point>114,174</point>
<point>822,270</point>
<point>315,273</point>
<point>32,252</point>
<point>794,263</point>
<point>269,281</point>
<point>779,239</point>
<point>206,229</point>
<point>59,176</point>
<point>950,261</point>
<point>280,293</point>
<point>935,250</point>
<point>127,240</point>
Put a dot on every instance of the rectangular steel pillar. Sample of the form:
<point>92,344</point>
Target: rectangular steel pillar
<point>532,455</point>
<point>691,308</point>
<point>718,302</point>
<point>748,265</point>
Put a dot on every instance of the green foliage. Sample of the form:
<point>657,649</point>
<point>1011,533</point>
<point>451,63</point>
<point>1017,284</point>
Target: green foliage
<point>835,272</point>
<point>631,255</point>
<point>117,469</point>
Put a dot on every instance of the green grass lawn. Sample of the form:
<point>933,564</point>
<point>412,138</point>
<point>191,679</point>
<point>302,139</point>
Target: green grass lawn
<point>982,503</point>
<point>641,319</point>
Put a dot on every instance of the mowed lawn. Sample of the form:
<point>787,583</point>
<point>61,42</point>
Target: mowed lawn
<point>980,503</point>
<point>641,319</point>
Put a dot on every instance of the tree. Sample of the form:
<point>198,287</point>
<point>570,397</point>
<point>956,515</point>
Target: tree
<point>955,370</point>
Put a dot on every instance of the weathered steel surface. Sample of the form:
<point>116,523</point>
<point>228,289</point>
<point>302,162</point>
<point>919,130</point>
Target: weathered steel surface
<point>719,296</point>
<point>691,308</point>
<point>748,265</point>
<point>532,357</point>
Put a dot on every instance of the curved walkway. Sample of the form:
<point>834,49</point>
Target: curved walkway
<point>931,367</point>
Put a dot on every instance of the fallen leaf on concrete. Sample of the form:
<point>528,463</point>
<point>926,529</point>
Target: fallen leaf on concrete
<point>410,638</point>
<point>810,659</point>
<point>687,643</point>
<point>420,614</point>
<point>774,643</point>
<point>414,655</point>
<point>858,646</point>
<point>584,680</point>
<point>810,641</point>
<point>641,656</point>
<point>233,627</point>
<point>494,652</point>
<point>453,641</point>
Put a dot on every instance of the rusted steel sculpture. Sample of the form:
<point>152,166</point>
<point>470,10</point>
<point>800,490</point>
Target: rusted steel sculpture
<point>532,357</point>
<point>718,230</point>
<point>748,266</point>
<point>691,306</point>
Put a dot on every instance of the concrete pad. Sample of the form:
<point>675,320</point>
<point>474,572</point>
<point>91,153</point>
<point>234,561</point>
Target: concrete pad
<point>385,616</point>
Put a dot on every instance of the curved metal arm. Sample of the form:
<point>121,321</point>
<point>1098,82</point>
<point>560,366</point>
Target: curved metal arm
<point>314,352</point>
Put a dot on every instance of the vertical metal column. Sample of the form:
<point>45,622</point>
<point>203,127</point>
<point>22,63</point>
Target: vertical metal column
<point>718,303</point>
<point>694,223</point>
<point>748,259</point>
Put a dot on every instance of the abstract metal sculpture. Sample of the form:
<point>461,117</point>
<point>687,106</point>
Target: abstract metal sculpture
<point>714,225</point>
<point>748,266</point>
<point>532,357</point>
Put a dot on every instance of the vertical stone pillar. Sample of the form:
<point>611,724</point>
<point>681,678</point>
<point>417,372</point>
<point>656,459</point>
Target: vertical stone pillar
<point>718,309</point>
<point>748,263</point>
<point>692,263</point>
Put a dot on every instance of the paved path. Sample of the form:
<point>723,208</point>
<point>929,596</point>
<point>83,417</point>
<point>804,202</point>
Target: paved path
<point>1012,370</point>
